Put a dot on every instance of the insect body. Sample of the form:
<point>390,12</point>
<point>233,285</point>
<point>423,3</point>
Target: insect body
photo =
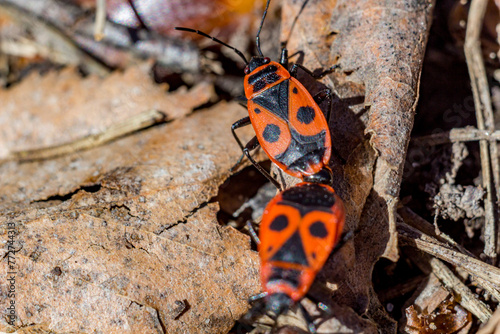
<point>299,229</point>
<point>289,125</point>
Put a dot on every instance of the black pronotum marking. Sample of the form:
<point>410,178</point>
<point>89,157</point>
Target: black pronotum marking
<point>261,74</point>
<point>279,223</point>
<point>271,133</point>
<point>272,78</point>
<point>311,196</point>
<point>292,251</point>
<point>318,230</point>
<point>264,77</point>
<point>306,115</point>
<point>259,85</point>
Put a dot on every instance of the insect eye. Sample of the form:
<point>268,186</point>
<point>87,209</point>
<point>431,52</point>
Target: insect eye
<point>247,70</point>
<point>267,60</point>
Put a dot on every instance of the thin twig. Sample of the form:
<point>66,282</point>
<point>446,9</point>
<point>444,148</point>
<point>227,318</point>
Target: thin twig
<point>100,20</point>
<point>419,223</point>
<point>62,45</point>
<point>128,126</point>
<point>457,135</point>
<point>482,102</point>
<point>411,236</point>
<point>449,280</point>
<point>467,298</point>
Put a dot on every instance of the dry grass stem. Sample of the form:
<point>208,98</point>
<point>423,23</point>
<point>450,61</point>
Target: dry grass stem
<point>457,135</point>
<point>100,20</point>
<point>410,236</point>
<point>62,44</point>
<point>131,125</point>
<point>485,121</point>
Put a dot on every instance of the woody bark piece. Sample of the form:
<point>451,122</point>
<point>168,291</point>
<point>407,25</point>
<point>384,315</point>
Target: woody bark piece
<point>61,107</point>
<point>122,237</point>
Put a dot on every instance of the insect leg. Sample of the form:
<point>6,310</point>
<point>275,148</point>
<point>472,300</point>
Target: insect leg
<point>257,308</point>
<point>308,319</point>
<point>236,125</point>
<point>252,144</point>
<point>322,306</point>
<point>344,238</point>
<point>284,57</point>
<point>293,71</point>
<point>239,124</point>
<point>320,97</point>
<point>257,297</point>
<point>253,234</point>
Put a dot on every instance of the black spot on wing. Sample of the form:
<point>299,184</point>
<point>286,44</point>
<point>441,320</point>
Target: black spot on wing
<point>279,223</point>
<point>295,90</point>
<point>257,110</point>
<point>292,251</point>
<point>318,230</point>
<point>306,115</point>
<point>271,133</point>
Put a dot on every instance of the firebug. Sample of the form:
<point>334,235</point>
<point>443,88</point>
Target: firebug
<point>300,228</point>
<point>289,125</point>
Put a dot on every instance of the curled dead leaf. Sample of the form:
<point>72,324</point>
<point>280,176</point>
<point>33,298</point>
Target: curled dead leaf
<point>127,237</point>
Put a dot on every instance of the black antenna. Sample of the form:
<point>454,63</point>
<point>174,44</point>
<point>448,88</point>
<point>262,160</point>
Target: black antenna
<point>283,44</point>
<point>238,52</point>
<point>137,15</point>
<point>257,39</point>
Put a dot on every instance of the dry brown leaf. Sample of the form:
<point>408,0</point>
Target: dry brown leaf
<point>60,107</point>
<point>379,48</point>
<point>449,318</point>
<point>123,237</point>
